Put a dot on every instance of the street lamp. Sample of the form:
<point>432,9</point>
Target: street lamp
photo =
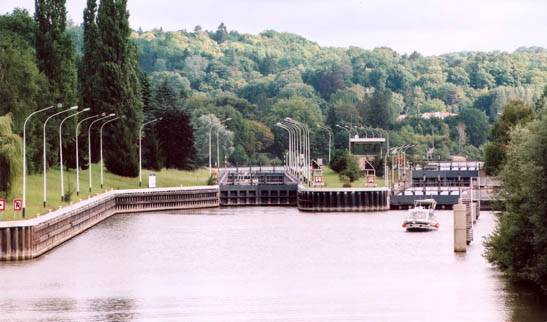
<point>44,151</point>
<point>218,149</point>
<point>61,149</point>
<point>297,146</point>
<point>77,149</point>
<point>140,147</point>
<point>101,146</point>
<point>25,155</point>
<point>304,136</point>
<point>329,131</point>
<point>89,146</point>
<point>289,154</point>
<point>349,135</point>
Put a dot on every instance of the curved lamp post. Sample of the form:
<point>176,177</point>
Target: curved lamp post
<point>44,153</point>
<point>329,131</point>
<point>77,149</point>
<point>140,147</point>
<point>289,153</point>
<point>101,146</point>
<point>61,149</point>
<point>89,146</point>
<point>218,148</point>
<point>25,155</point>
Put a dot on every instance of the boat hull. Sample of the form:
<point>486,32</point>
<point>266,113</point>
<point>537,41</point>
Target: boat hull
<point>420,226</point>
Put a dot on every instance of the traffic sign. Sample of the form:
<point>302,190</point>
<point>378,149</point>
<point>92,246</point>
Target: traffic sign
<point>17,205</point>
<point>2,204</point>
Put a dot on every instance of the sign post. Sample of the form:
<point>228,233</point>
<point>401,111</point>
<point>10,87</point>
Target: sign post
<point>17,205</point>
<point>2,204</point>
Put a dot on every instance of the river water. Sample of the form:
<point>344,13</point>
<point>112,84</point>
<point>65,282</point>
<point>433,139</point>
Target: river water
<point>263,264</point>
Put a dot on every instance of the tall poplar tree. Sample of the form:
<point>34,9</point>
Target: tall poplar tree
<point>88,70</point>
<point>117,86</point>
<point>54,50</point>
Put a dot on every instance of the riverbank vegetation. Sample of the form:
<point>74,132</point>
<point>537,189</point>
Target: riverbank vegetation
<point>518,246</point>
<point>230,89</point>
<point>164,178</point>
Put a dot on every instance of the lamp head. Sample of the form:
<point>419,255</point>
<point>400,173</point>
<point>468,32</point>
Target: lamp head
<point>112,114</point>
<point>73,108</point>
<point>227,119</point>
<point>59,105</point>
<point>161,118</point>
<point>103,114</point>
<point>86,109</point>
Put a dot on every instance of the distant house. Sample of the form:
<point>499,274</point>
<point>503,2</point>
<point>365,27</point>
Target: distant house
<point>429,115</point>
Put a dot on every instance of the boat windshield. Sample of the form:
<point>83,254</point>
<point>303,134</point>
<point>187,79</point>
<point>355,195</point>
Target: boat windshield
<point>418,214</point>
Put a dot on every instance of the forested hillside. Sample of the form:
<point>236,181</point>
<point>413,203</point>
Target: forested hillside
<point>259,79</point>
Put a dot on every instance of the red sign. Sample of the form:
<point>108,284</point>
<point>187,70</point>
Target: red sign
<point>370,179</point>
<point>2,204</point>
<point>17,204</point>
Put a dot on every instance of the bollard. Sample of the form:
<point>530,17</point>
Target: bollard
<point>460,234</point>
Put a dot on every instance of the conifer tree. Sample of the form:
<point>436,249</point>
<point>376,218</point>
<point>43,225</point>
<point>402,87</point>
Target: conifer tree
<point>117,86</point>
<point>88,71</point>
<point>55,51</point>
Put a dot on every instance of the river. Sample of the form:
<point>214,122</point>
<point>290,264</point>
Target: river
<point>263,264</point>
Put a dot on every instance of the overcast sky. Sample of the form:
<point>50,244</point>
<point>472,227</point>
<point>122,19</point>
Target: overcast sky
<point>427,26</point>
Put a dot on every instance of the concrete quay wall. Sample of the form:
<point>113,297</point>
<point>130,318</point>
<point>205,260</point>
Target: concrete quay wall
<point>27,239</point>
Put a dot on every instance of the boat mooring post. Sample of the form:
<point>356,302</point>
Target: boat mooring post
<point>460,226</point>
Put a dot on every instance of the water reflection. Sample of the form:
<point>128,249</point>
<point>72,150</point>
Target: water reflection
<point>113,309</point>
<point>525,303</point>
<point>263,264</point>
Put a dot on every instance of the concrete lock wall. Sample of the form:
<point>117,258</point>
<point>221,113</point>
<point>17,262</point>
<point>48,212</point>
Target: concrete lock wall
<point>343,199</point>
<point>31,238</point>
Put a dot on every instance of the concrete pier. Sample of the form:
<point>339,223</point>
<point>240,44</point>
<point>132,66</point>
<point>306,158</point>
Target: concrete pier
<point>460,228</point>
<point>26,239</point>
<point>343,199</point>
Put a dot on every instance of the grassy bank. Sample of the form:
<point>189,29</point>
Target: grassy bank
<point>332,180</point>
<point>164,178</point>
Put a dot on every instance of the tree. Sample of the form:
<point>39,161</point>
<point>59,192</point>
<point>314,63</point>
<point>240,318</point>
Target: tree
<point>54,50</point>
<point>19,22</point>
<point>118,87</point>
<point>221,35</point>
<point>515,113</point>
<point>21,85</point>
<point>177,140</point>
<point>377,110</point>
<point>204,125</point>
<point>518,246</point>
<point>346,165</point>
<point>476,125</point>
<point>10,155</point>
<point>90,60</point>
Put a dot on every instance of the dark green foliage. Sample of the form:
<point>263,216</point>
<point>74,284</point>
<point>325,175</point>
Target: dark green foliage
<point>19,22</point>
<point>10,156</point>
<point>519,244</point>
<point>55,51</point>
<point>90,60</point>
<point>346,165</point>
<point>117,86</point>
<point>377,110</point>
<point>22,87</point>
<point>515,113</point>
<point>476,125</point>
<point>494,156</point>
<point>177,140</point>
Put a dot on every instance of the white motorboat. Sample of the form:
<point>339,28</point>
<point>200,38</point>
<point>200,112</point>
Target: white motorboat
<point>422,216</point>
